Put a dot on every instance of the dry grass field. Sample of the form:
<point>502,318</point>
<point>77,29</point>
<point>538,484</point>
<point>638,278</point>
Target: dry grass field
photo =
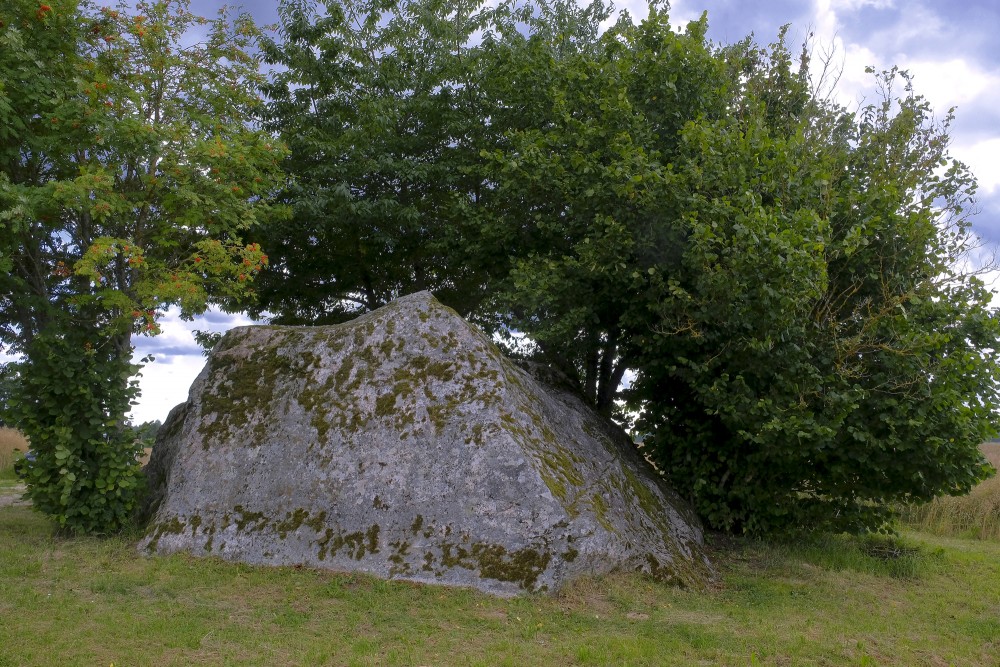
<point>976,515</point>
<point>12,444</point>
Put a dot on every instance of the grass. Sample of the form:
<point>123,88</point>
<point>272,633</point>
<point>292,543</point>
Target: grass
<point>923,599</point>
<point>976,515</point>
<point>836,601</point>
<point>12,445</point>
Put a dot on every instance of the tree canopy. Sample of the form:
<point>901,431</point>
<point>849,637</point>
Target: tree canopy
<point>771,290</point>
<point>781,279</point>
<point>384,112</point>
<point>130,168</point>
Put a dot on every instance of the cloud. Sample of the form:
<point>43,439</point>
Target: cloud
<point>983,158</point>
<point>219,318</point>
<point>178,359</point>
<point>164,386</point>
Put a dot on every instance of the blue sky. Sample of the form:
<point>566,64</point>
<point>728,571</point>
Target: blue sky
<point>949,46</point>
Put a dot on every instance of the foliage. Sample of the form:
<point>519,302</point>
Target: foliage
<point>784,279</point>
<point>129,171</point>
<point>207,340</point>
<point>586,186</point>
<point>133,180</point>
<point>827,358</point>
<point>146,432</point>
<point>381,105</point>
<point>82,471</point>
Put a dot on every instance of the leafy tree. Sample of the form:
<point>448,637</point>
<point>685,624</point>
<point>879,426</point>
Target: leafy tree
<point>783,277</point>
<point>146,432</point>
<point>72,397</point>
<point>393,128</point>
<point>583,187</point>
<point>383,109</point>
<point>129,171</point>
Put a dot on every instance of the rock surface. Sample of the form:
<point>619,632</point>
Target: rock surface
<point>405,445</point>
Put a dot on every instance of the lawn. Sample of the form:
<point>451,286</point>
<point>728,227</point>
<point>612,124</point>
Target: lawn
<point>83,601</point>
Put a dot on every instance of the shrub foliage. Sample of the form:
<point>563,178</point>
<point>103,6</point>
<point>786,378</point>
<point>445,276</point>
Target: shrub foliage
<point>83,470</point>
<point>129,170</point>
<point>785,278</point>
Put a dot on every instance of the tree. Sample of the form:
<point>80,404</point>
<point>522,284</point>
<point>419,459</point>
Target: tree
<point>394,127</point>
<point>783,278</point>
<point>129,171</point>
<point>583,187</point>
<point>384,112</point>
<point>835,359</point>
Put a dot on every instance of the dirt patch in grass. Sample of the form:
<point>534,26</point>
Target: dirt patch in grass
<point>12,495</point>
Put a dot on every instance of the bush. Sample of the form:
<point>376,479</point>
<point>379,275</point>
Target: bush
<point>84,471</point>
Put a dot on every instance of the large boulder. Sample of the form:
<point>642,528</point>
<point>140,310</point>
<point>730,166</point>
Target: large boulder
<point>405,445</point>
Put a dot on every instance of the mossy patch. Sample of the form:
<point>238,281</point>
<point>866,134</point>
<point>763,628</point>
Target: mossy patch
<point>561,473</point>
<point>171,526</point>
<point>300,517</point>
<point>385,405</point>
<point>648,501</point>
<point>662,572</point>
<point>358,543</point>
<point>493,561</point>
<point>600,506</point>
<point>245,379</point>
<point>247,521</point>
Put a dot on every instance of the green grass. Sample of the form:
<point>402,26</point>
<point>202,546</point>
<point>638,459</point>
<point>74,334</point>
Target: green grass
<point>834,601</point>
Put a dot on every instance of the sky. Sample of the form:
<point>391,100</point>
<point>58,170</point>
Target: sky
<point>948,46</point>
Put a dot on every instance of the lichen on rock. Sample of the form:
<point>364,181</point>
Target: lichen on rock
<point>405,445</point>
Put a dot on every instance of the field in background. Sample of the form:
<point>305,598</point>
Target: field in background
<point>976,515</point>
<point>12,445</point>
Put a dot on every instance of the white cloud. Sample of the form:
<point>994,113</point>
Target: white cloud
<point>983,159</point>
<point>165,385</point>
<point>854,5</point>
<point>953,82</point>
<point>165,382</point>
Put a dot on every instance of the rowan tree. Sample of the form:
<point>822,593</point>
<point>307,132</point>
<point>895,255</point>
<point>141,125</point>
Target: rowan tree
<point>130,169</point>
